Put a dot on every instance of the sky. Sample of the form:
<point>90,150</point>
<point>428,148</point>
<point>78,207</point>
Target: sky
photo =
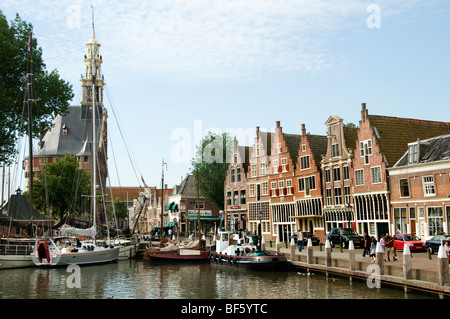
<point>177,69</point>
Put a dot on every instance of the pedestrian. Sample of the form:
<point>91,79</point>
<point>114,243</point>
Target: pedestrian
<point>383,244</point>
<point>389,242</point>
<point>367,244</point>
<point>299,241</point>
<point>447,249</point>
<point>373,250</point>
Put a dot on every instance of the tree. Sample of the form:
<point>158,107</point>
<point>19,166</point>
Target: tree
<point>120,208</point>
<point>211,164</point>
<point>67,184</point>
<point>51,93</point>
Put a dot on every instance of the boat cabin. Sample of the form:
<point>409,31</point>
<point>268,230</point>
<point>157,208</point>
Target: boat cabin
<point>232,243</point>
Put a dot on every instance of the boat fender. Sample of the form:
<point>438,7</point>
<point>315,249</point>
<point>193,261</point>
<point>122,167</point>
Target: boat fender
<point>234,260</point>
<point>69,249</point>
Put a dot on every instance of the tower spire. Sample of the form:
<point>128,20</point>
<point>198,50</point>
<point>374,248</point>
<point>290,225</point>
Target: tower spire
<point>93,27</point>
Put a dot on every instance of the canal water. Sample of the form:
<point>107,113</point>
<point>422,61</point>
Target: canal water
<point>136,279</point>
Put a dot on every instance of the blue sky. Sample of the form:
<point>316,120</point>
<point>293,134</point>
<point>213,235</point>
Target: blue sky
<point>174,69</point>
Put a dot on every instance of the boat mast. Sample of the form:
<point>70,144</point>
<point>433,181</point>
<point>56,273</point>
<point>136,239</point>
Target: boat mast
<point>30,131</point>
<point>94,145</point>
<point>161,230</point>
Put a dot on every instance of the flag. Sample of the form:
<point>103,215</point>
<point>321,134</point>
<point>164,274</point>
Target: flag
<point>29,44</point>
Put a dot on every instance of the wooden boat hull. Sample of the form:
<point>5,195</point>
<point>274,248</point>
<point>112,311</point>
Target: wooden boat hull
<point>177,256</point>
<point>15,261</point>
<point>266,262</point>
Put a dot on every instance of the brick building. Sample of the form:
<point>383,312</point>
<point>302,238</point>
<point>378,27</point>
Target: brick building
<point>236,188</point>
<point>420,188</point>
<point>281,182</point>
<point>337,167</point>
<point>307,184</point>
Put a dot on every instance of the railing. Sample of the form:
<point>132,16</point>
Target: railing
<point>10,249</point>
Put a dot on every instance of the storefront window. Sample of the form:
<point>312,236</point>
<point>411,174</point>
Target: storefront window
<point>435,220</point>
<point>400,220</point>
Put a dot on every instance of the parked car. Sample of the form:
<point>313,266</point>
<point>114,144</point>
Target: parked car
<point>433,243</point>
<point>342,236</point>
<point>412,240</point>
<point>306,234</point>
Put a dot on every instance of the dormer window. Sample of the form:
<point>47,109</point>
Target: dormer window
<point>365,148</point>
<point>413,153</point>
<point>64,129</point>
<point>335,150</point>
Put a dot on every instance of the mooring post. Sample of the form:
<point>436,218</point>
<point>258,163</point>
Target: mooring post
<point>292,249</point>
<point>263,244</point>
<point>328,253</point>
<point>407,264</point>
<point>443,278</point>
<point>310,252</point>
<point>380,258</point>
<point>351,255</point>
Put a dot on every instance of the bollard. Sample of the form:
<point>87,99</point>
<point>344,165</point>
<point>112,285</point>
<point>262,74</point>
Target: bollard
<point>292,249</point>
<point>407,264</point>
<point>328,253</point>
<point>310,252</point>
<point>443,277</point>
<point>380,258</point>
<point>429,253</point>
<point>263,244</point>
<point>270,242</point>
<point>278,245</point>
<point>351,255</point>
<point>321,246</point>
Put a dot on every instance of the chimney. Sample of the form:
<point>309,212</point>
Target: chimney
<point>278,124</point>
<point>363,112</point>
<point>257,132</point>
<point>303,130</point>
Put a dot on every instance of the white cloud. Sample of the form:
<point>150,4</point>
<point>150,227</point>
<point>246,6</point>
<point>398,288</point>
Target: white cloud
<point>201,39</point>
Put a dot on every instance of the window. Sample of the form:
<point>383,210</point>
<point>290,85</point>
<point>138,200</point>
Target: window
<point>238,174</point>
<point>265,188</point>
<point>304,162</point>
<point>281,188</point>
<point>400,221</point>
<point>328,196</point>
<point>335,150</point>
<point>257,149</point>
<point>376,174</point>
<point>347,195</point>
<point>304,147</point>
<point>275,166</point>
<point>345,173</point>
<point>413,151</point>
<point>236,198</point>
<point>278,148</point>
<point>232,176</point>
<point>359,177</point>
<point>428,186</point>
<point>365,148</point>
<point>228,198</point>
<point>306,184</point>
<point>273,188</point>
<point>253,170</point>
<point>327,176</point>
<point>404,187</point>
<point>337,174</point>
<point>337,196</point>
<point>262,169</point>
<point>289,187</point>
<point>435,220</point>
<point>243,199</point>
<point>284,166</point>
<point>251,190</point>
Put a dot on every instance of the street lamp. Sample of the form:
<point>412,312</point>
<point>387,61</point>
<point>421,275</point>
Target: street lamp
<point>259,230</point>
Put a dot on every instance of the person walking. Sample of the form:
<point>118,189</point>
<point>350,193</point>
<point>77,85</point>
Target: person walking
<point>299,241</point>
<point>367,244</point>
<point>389,242</point>
<point>373,250</point>
<point>383,244</point>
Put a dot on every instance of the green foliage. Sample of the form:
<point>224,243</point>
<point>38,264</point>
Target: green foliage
<point>65,183</point>
<point>51,93</point>
<point>120,208</point>
<point>211,164</point>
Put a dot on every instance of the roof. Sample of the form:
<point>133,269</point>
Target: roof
<point>17,208</point>
<point>318,145</point>
<point>430,150</point>
<point>77,140</point>
<point>350,136</point>
<point>293,144</point>
<point>394,133</point>
<point>189,183</point>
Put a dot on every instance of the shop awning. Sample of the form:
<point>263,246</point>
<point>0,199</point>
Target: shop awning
<point>169,206</point>
<point>204,217</point>
<point>171,224</point>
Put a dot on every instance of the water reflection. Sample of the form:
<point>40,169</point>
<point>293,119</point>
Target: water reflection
<point>134,279</point>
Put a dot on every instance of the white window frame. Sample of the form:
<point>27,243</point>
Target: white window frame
<point>275,166</point>
<point>365,150</point>
<point>288,187</point>
<point>278,148</point>
<point>337,197</point>
<point>328,197</point>
<point>345,173</point>
<point>429,188</point>
<point>304,162</point>
<point>377,170</point>
<point>335,150</point>
<point>400,188</point>
<point>284,164</point>
<point>262,169</point>
<point>251,190</point>
<point>357,181</point>
<point>338,170</point>
<point>327,175</point>
<point>253,169</point>
<point>265,188</point>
